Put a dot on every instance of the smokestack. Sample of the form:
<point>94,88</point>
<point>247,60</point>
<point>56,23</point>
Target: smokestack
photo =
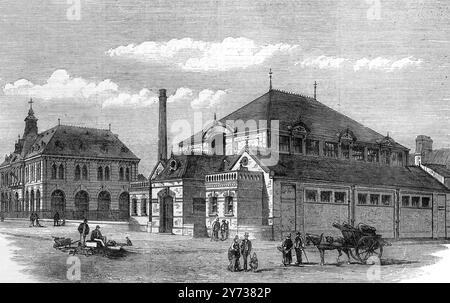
<point>162,134</point>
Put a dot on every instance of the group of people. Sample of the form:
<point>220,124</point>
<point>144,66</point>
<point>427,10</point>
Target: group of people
<point>96,234</point>
<point>241,248</point>
<point>288,245</point>
<point>57,220</point>
<point>34,220</point>
<point>223,229</point>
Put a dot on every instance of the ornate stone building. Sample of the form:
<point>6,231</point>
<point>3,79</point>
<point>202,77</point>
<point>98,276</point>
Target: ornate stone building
<point>76,171</point>
<point>303,167</point>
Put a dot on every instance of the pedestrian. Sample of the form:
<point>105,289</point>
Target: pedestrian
<point>224,230</point>
<point>36,219</point>
<point>56,219</point>
<point>286,249</point>
<point>234,255</point>
<point>298,246</point>
<point>254,262</point>
<point>32,220</point>
<point>83,229</point>
<point>246,248</point>
<point>215,230</point>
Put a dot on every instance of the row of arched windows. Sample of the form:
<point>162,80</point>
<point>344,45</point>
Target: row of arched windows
<point>57,171</point>
<point>32,201</point>
<point>82,173</point>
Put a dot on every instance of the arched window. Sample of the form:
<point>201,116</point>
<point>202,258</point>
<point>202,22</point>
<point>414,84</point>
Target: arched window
<point>38,172</point>
<point>229,205</point>
<point>17,202</point>
<point>58,202</point>
<point>100,173</point>
<point>127,174</point>
<point>107,174</point>
<point>104,201</point>
<point>121,174</point>
<point>38,200</point>
<point>143,207</point>
<point>134,207</point>
<point>32,200</point>
<point>85,172</point>
<point>61,172</point>
<point>27,201</point>
<point>77,172</point>
<point>54,171</point>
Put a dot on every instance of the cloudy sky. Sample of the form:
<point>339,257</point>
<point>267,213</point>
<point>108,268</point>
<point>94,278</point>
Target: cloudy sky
<point>91,63</point>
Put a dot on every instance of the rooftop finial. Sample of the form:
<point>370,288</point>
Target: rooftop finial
<point>109,127</point>
<point>215,116</point>
<point>270,79</point>
<point>315,90</point>
<point>59,121</point>
<point>31,103</point>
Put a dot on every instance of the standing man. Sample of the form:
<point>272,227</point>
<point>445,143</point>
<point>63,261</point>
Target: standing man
<point>83,229</point>
<point>246,248</point>
<point>286,249</point>
<point>234,254</point>
<point>215,228</point>
<point>224,230</point>
<point>32,218</point>
<point>56,219</point>
<point>298,246</point>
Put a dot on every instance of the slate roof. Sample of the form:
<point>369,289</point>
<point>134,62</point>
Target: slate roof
<point>440,169</point>
<point>305,168</point>
<point>351,172</point>
<point>64,140</point>
<point>319,118</point>
<point>438,156</point>
<point>195,166</point>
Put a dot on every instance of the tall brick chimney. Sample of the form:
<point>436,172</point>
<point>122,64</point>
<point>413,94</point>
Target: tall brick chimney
<point>424,146</point>
<point>162,132</point>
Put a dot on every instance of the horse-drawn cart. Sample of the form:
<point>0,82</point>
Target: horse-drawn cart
<point>361,241</point>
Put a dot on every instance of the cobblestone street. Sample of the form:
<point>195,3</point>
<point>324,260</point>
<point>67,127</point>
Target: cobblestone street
<point>166,258</point>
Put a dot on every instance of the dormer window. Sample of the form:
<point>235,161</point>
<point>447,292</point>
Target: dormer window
<point>312,147</point>
<point>284,144</point>
<point>358,153</point>
<point>330,149</point>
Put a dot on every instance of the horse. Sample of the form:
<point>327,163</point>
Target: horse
<point>330,244</point>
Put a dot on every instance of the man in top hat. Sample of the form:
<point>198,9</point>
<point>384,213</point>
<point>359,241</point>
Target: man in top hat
<point>246,248</point>
<point>286,247</point>
<point>215,228</point>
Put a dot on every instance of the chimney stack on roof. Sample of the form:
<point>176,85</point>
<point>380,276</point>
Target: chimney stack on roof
<point>162,126</point>
<point>424,146</point>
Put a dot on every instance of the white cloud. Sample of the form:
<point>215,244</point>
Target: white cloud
<point>378,63</point>
<point>389,65</point>
<point>196,55</point>
<point>208,98</point>
<point>61,85</point>
<point>322,62</point>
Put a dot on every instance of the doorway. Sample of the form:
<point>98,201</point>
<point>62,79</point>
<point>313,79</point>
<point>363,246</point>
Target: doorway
<point>166,220</point>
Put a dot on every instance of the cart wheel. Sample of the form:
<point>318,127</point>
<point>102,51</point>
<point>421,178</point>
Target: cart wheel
<point>367,247</point>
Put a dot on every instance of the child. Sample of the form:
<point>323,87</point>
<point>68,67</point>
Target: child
<point>254,262</point>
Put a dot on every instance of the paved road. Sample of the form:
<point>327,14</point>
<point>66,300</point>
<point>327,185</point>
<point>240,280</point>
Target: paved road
<point>164,258</point>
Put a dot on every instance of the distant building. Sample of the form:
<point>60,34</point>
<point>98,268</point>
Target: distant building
<point>76,171</point>
<point>435,162</point>
<point>330,169</point>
